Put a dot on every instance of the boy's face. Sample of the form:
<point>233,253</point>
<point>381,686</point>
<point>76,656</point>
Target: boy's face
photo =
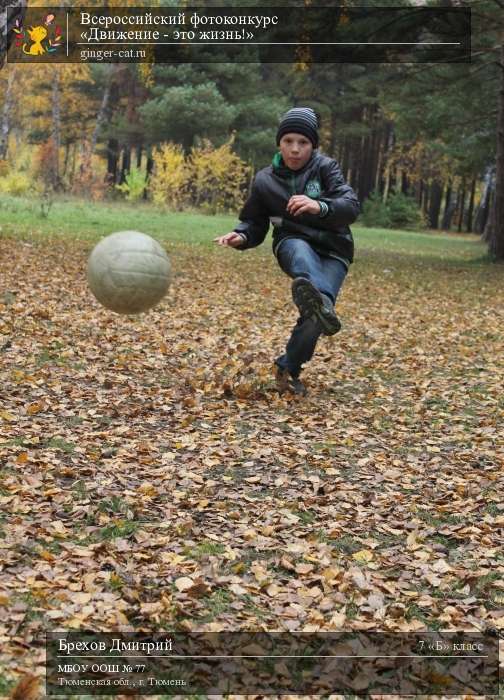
<point>296,150</point>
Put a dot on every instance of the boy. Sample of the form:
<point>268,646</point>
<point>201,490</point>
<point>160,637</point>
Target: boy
<point>310,206</point>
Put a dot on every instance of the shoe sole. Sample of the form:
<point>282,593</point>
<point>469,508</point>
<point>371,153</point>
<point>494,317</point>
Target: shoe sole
<point>310,303</point>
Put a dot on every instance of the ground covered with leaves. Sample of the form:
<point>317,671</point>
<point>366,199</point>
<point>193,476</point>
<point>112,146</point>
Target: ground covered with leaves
<point>152,478</point>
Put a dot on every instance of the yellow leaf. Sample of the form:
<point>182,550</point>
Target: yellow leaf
<point>337,621</point>
<point>75,623</point>
<point>273,590</point>
<point>331,573</point>
<point>7,416</point>
<point>147,489</point>
<point>22,458</point>
<point>59,528</point>
<point>267,530</point>
<point>412,540</point>
<point>34,408</point>
<point>46,555</point>
<point>121,617</point>
<point>363,555</point>
<point>3,599</point>
<point>172,558</point>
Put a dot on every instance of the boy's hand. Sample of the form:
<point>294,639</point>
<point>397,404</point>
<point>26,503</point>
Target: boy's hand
<point>232,239</point>
<point>301,204</point>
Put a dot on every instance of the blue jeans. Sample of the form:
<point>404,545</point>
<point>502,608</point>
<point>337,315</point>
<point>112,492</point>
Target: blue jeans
<point>297,258</point>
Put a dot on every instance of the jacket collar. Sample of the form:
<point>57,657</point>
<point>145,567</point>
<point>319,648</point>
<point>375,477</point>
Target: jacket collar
<point>282,170</point>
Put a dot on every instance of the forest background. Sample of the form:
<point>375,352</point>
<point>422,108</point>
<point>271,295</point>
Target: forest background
<point>418,142</point>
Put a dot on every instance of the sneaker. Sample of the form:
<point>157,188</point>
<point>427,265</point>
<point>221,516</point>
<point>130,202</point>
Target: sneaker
<point>311,302</point>
<point>287,383</point>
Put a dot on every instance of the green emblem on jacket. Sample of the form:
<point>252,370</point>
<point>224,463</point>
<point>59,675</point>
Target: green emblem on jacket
<point>312,189</point>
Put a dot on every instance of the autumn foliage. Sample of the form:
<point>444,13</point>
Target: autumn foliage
<point>211,179</point>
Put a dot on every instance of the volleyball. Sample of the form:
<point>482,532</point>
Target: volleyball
<point>128,272</point>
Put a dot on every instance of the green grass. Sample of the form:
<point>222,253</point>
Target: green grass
<point>414,612</point>
<point>79,491</point>
<point>114,504</point>
<point>442,519</point>
<point>53,547</point>
<point>120,529</point>
<point>204,549</point>
<point>60,444</point>
<point>76,218</point>
<point>5,686</point>
<point>216,603</point>
<point>306,516</point>
<point>345,544</point>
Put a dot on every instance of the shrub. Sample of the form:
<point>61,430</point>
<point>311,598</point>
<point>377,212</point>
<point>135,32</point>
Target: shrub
<point>20,155</point>
<point>170,176</point>
<point>400,211</point>
<point>134,185</point>
<point>404,212</point>
<point>212,179</point>
<point>375,212</point>
<point>16,183</point>
<point>218,177</point>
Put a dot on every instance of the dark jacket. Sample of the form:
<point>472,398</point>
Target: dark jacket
<point>320,179</point>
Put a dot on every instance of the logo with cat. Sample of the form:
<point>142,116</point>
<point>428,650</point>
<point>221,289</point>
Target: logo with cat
<point>313,189</point>
<point>39,39</point>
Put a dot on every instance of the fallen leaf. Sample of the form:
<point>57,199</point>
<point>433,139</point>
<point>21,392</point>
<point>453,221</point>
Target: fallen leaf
<point>363,555</point>
<point>27,688</point>
<point>184,583</point>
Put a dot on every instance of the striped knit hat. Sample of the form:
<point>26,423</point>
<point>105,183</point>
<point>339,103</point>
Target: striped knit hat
<point>299,120</point>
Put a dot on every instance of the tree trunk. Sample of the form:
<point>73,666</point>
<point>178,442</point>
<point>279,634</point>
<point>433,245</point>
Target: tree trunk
<point>345,157</point>
<point>378,182</point>
<point>139,157</point>
<point>445,224</point>
<point>387,186</point>
<point>425,203</point>
<point>67,157</point>
<point>126,163</point>
<point>150,167</point>
<point>484,205</point>
<point>17,11</point>
<point>5,124</point>
<point>496,232</point>
<point>404,183</point>
<point>56,128</point>
<point>435,204</point>
<point>102,112</point>
<point>334,131</point>
<point>471,206</point>
<point>74,162</point>
<point>394,175</point>
<point>362,167</point>
<point>369,154</point>
<point>112,160</point>
<point>462,205</point>
<point>488,230</point>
